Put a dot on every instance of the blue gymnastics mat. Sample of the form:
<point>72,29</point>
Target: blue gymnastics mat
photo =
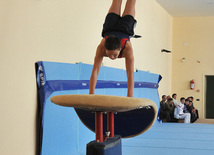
<point>61,132</point>
<point>172,139</point>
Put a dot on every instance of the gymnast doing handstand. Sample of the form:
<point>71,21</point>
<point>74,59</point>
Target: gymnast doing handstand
<point>116,44</point>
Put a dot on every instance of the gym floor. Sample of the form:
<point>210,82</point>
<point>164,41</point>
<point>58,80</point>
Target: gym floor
<point>173,138</point>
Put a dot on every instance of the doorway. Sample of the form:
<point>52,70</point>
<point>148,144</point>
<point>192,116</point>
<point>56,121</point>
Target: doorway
<point>209,96</point>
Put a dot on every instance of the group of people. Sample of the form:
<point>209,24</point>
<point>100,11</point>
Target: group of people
<point>172,110</point>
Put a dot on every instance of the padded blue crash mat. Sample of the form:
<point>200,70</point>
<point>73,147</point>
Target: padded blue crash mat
<point>172,138</point>
<point>61,131</point>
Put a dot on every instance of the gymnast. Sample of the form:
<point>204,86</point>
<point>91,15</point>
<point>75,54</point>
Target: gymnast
<point>116,34</point>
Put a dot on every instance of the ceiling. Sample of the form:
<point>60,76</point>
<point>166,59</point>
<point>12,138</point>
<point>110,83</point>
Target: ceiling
<point>188,8</point>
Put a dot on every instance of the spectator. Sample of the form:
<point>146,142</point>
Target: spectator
<point>187,103</point>
<point>168,97</point>
<point>195,110</point>
<point>162,114</point>
<point>179,111</point>
<point>186,106</point>
<point>170,107</point>
<point>189,109</point>
<point>174,96</point>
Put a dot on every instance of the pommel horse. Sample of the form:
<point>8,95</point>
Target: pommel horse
<point>104,104</point>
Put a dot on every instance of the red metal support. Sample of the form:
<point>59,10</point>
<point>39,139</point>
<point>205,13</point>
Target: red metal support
<point>99,126</point>
<point>110,123</point>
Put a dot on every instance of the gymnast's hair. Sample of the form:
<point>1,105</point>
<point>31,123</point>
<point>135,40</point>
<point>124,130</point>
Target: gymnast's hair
<point>112,43</point>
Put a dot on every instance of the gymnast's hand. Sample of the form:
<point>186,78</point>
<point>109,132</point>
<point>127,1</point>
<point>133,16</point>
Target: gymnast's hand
<point>96,67</point>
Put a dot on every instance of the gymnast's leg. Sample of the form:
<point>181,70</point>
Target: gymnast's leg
<point>129,8</point>
<point>115,7</point>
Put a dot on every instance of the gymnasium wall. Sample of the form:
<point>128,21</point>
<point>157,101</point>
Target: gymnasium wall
<point>193,40</point>
<point>64,31</point>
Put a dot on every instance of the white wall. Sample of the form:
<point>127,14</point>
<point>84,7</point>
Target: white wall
<point>197,33</point>
<point>64,31</point>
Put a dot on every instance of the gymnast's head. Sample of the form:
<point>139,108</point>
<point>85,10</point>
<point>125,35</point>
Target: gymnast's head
<point>112,47</point>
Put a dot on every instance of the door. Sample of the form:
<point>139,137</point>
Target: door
<point>210,97</point>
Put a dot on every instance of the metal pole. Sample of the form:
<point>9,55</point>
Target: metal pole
<point>110,123</point>
<point>99,126</point>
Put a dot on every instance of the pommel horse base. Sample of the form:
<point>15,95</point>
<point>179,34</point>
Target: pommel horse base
<point>101,104</point>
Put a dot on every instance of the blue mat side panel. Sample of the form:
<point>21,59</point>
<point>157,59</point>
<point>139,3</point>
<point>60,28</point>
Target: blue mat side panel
<point>173,138</point>
<point>62,130</point>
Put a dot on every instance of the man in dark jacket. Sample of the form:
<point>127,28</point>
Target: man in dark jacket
<point>162,114</point>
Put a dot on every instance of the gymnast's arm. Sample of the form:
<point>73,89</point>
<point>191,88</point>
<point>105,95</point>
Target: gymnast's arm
<point>129,56</point>
<point>96,68</point>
